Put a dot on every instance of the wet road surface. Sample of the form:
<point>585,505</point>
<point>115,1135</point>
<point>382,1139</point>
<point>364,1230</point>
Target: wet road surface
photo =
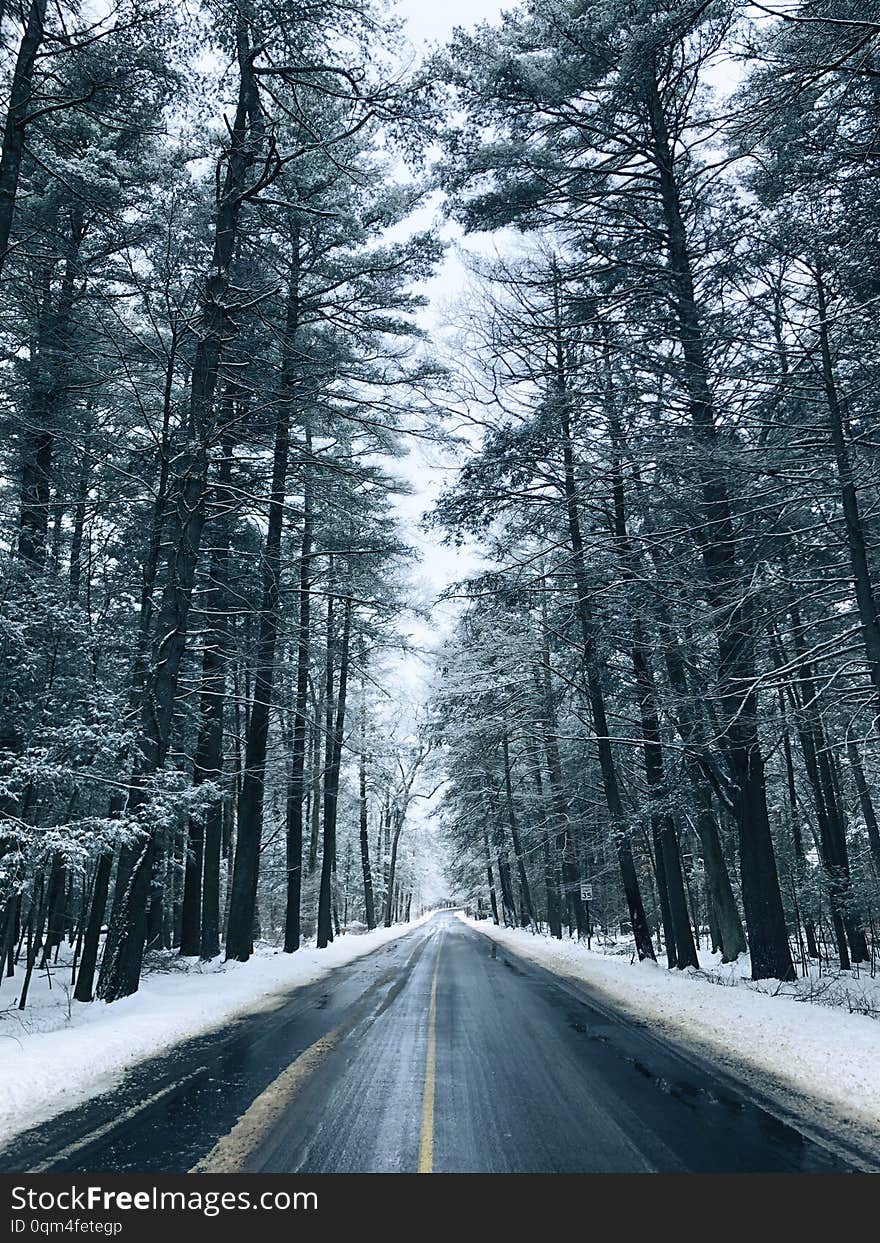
<point>438,1053</point>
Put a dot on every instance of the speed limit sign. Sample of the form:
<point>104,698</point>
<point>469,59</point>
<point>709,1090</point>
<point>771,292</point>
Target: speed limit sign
<point>586,893</point>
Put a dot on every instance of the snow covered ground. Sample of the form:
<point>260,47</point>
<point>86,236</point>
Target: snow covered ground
<point>59,1052</point>
<point>819,1062</point>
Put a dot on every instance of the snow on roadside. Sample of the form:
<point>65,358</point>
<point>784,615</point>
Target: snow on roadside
<point>51,1061</point>
<point>818,1062</point>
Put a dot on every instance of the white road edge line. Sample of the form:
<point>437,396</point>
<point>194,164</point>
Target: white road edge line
<point>101,1131</point>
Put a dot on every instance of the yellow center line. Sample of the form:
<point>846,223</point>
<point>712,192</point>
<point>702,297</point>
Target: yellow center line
<point>426,1143</point>
<point>231,1151</point>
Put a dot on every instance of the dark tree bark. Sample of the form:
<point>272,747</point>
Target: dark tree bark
<point>595,691</point>
<point>191,905</point>
<point>730,929</point>
<point>855,532</point>
<point>200,904</point>
<point>571,899</point>
<point>11,931</point>
<point>209,749</point>
<point>704,779</point>
<point>491,880</point>
<point>728,589</point>
<point>508,902</point>
<point>121,966</point>
<point>663,893</point>
<point>551,885</point>
<point>865,802</point>
<point>796,834</point>
<point>296,783</point>
<point>316,772</point>
<point>36,922</point>
<point>331,786</point>
<point>54,901</point>
<point>682,952</point>
<point>366,871</point>
<point>525,888</point>
<point>808,740</point>
<point>392,869</point>
<point>832,829</point>
<point>239,939</point>
<point>662,819</point>
<point>49,383</point>
<point>20,103</point>
<point>77,538</point>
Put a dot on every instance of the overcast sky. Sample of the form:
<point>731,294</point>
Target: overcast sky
<point>428,21</point>
<point>427,469</point>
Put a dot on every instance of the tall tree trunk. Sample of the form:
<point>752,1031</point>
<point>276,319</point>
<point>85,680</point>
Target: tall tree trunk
<point>57,876</point>
<point>121,966</point>
<point>730,929</point>
<point>20,97</point>
<point>11,930</point>
<point>49,384</point>
<point>77,538</point>
<point>508,901</point>
<point>729,591</point>
<point>296,783</point>
<point>392,869</point>
<point>525,888</point>
<point>865,803</point>
<point>595,691</point>
<point>366,871</point>
<point>670,882</point>
<point>855,533</point>
<point>832,830</point>
<point>129,852</point>
<point>685,950</point>
<point>491,879</point>
<point>705,778</point>
<point>239,938</point>
<point>200,910</point>
<point>318,732</point>
<point>810,750</point>
<point>564,841</point>
<point>331,786</point>
<point>35,924</point>
<point>551,886</point>
<point>663,893</point>
<point>193,869</point>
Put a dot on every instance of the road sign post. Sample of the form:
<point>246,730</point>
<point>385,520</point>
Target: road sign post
<point>587,898</point>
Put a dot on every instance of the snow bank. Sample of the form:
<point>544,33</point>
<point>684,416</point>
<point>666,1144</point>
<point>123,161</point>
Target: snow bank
<point>58,1052</point>
<point>821,1065</point>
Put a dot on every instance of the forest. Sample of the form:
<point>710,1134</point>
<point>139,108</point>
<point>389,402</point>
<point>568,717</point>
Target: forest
<point>653,718</point>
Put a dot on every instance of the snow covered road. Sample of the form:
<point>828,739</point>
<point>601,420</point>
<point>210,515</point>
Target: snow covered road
<point>442,1051</point>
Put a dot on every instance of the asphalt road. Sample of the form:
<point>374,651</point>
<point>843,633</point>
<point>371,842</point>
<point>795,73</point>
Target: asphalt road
<point>438,1053</point>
